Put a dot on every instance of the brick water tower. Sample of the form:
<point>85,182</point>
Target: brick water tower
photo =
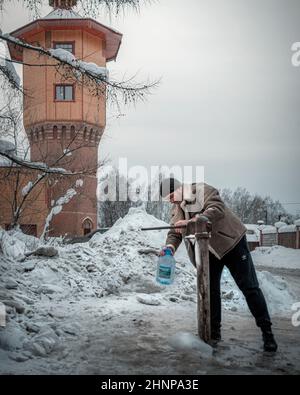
<point>61,114</point>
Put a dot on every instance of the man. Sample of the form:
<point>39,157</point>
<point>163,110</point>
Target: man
<point>228,247</point>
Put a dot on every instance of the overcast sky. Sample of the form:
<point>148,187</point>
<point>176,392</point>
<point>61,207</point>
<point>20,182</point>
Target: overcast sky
<point>229,97</point>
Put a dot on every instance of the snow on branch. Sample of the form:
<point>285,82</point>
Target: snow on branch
<point>57,208</point>
<point>7,150</point>
<point>90,75</point>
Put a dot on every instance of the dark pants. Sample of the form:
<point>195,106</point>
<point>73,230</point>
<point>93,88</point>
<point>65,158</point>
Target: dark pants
<point>240,264</point>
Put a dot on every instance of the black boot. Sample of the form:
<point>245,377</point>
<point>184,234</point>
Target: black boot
<point>270,344</point>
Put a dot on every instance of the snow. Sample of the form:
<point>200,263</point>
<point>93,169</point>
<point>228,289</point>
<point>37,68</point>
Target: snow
<point>9,66</point>
<point>79,183</point>
<point>63,14</point>
<point>57,208</point>
<point>94,69</point>
<point>253,234</point>
<point>280,224</point>
<point>112,278</point>
<point>90,69</point>
<point>184,341</point>
<point>67,152</point>
<point>277,256</point>
<point>11,246</point>
<point>297,222</point>
<point>85,67</point>
<point>63,55</point>
<point>267,229</point>
<point>7,147</point>
<point>288,229</point>
<point>27,188</point>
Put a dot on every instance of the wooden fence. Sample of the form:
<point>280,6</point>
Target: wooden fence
<point>281,237</point>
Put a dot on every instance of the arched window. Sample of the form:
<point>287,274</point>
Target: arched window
<point>63,133</point>
<point>85,134</point>
<point>43,134</point>
<point>73,133</point>
<point>55,132</point>
<point>91,135</point>
<point>87,226</point>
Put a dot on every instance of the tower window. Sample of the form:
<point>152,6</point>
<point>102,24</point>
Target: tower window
<point>55,132</point>
<point>87,227</point>
<point>64,93</point>
<point>67,46</point>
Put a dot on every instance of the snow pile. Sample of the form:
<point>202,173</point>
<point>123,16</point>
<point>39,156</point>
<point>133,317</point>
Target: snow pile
<point>39,290</point>
<point>11,246</point>
<point>277,293</point>
<point>277,256</point>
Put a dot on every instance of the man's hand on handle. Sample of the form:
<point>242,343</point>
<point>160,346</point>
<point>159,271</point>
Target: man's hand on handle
<point>185,223</point>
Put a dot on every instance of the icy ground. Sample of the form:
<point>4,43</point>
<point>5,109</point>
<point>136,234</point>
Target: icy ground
<point>96,309</point>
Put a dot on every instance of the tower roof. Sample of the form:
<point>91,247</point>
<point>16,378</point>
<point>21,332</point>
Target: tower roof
<point>63,13</point>
<point>64,18</point>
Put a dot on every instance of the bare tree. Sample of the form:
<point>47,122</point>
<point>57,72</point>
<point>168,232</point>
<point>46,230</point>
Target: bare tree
<point>23,179</point>
<point>51,169</point>
<point>75,70</point>
<point>115,205</point>
<point>253,208</point>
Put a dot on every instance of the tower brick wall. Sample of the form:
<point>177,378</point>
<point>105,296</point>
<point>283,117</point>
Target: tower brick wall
<point>72,126</point>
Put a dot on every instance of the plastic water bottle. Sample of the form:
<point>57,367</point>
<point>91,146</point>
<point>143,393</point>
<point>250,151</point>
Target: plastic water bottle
<point>166,269</point>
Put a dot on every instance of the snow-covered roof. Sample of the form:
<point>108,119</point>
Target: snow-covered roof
<point>280,224</point>
<point>268,229</point>
<point>60,13</point>
<point>68,20</point>
<point>288,229</point>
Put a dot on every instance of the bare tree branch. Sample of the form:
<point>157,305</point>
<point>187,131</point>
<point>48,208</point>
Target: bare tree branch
<point>90,76</point>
